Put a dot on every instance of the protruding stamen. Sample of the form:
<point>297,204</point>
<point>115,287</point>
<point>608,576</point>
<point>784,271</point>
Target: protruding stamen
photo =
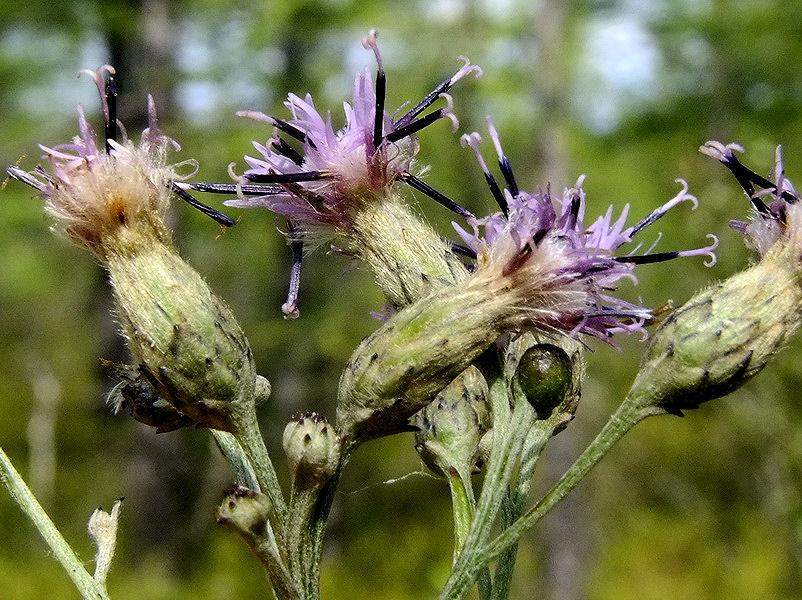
<point>432,96</point>
<point>110,95</point>
<point>460,249</point>
<point>280,146</point>
<point>290,307</point>
<point>538,237</point>
<point>279,124</point>
<point>421,123</point>
<point>682,196</point>
<point>574,208</point>
<point>663,256</point>
<point>473,140</point>
<point>216,215</point>
<point>233,188</point>
<point>381,86</point>
<point>441,199</point>
<point>503,161</point>
<point>378,119</point>
<point>784,187</point>
<point>369,42</point>
<point>288,177</point>
<point>26,178</point>
<point>648,258</point>
<point>97,77</point>
<point>745,176</point>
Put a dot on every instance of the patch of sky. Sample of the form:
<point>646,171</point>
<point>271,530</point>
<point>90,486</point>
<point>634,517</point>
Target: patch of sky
<point>618,70</point>
<point>222,72</point>
<point>56,95</point>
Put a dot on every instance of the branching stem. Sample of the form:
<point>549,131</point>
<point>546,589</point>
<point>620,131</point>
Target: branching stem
<point>89,588</point>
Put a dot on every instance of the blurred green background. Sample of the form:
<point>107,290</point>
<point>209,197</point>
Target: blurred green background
<point>705,507</point>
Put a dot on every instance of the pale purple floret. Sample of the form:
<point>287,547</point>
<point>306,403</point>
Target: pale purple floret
<point>549,238</point>
<point>323,184</point>
<point>83,149</point>
<point>321,187</point>
<point>83,153</point>
<point>771,202</point>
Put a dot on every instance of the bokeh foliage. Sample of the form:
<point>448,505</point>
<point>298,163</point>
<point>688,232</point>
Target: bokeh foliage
<point>709,506</point>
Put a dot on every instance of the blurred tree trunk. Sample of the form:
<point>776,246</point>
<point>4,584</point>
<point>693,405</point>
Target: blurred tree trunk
<point>161,473</point>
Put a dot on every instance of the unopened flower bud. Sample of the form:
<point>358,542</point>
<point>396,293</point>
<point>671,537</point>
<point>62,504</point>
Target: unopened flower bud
<point>453,424</point>
<point>186,340</point>
<point>722,336</point>
<point>545,375</point>
<point>312,446</point>
<point>398,369</point>
<point>245,511</point>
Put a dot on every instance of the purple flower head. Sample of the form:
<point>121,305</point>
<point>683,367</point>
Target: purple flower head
<point>335,171</point>
<point>91,185</point>
<point>776,213</point>
<point>565,265</point>
<point>82,153</point>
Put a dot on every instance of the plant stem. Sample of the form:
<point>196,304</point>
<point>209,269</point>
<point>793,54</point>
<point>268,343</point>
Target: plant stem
<point>514,501</point>
<point>508,437</point>
<point>244,475</point>
<point>88,587</point>
<point>466,571</point>
<point>462,507</point>
<point>315,531</point>
<point>253,444</point>
<point>264,546</point>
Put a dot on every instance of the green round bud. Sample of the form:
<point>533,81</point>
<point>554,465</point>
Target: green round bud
<point>547,372</point>
<point>453,424</point>
<point>312,446</point>
<point>545,376</point>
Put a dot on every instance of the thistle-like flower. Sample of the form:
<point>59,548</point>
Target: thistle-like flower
<point>339,170</point>
<point>342,184</point>
<point>727,333</point>
<point>93,186</point>
<point>543,252</point>
<point>112,199</point>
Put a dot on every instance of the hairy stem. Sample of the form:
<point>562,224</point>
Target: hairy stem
<point>468,568</point>
<point>462,507</point>
<point>241,468</point>
<point>253,444</point>
<point>89,588</point>
<point>508,438</point>
<point>514,503</point>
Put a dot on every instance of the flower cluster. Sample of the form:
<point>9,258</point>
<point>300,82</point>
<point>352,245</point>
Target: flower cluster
<point>563,267</point>
<point>342,183</point>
